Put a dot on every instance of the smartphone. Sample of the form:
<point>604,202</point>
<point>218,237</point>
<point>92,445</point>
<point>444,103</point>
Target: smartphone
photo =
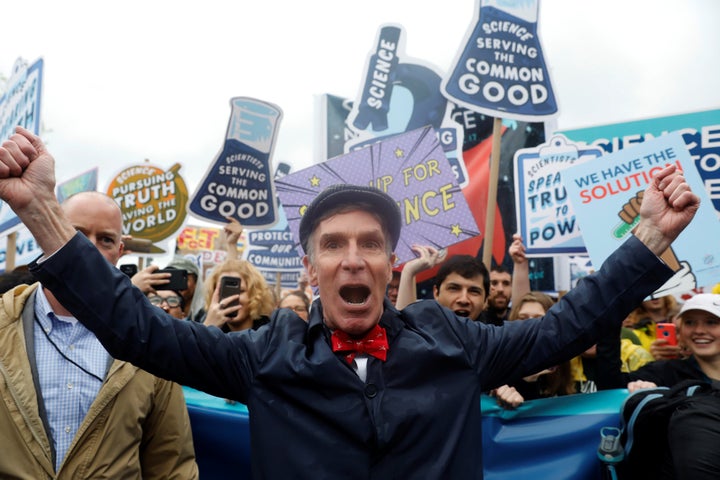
<point>129,269</point>
<point>178,279</point>
<point>666,331</point>
<point>230,286</point>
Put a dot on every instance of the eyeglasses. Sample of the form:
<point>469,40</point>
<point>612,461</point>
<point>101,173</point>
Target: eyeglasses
<point>172,301</point>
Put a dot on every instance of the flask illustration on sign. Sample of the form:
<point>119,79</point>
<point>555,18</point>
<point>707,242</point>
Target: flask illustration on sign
<point>239,183</point>
<point>500,71</point>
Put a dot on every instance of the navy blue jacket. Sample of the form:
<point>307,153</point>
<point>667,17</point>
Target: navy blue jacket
<point>418,415</point>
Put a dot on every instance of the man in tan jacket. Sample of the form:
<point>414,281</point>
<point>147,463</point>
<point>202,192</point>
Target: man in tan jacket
<point>68,410</point>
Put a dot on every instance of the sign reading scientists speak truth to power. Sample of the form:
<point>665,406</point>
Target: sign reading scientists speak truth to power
<point>501,71</point>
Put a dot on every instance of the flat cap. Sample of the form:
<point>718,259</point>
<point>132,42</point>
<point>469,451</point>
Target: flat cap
<point>380,203</point>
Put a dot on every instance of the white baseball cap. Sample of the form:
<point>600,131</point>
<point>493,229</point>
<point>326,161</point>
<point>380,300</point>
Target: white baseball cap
<point>707,302</point>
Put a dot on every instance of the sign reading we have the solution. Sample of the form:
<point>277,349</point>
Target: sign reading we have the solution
<point>412,169</point>
<point>606,194</point>
<point>700,130</point>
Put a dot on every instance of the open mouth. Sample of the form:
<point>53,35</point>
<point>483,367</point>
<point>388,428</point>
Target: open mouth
<point>355,295</point>
<point>462,313</point>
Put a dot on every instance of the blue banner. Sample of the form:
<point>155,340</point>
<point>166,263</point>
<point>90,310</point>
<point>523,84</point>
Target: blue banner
<point>547,439</point>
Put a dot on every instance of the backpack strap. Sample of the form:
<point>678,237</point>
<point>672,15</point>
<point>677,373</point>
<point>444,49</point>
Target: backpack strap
<point>629,429</point>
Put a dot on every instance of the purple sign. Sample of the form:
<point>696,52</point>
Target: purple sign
<point>410,167</point>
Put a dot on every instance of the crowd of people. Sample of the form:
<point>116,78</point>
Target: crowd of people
<point>363,379</point>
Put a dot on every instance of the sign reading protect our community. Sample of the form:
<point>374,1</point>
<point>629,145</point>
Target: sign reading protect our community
<point>607,193</point>
<point>412,169</point>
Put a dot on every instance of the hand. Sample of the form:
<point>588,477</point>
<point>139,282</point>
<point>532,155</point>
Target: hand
<point>27,167</point>
<point>146,279</point>
<point>639,385</point>
<point>126,251</point>
<point>27,184</point>
<point>303,280</point>
<point>534,378</point>
<point>517,250</point>
<point>661,350</point>
<point>231,234</point>
<point>508,397</point>
<point>219,313</point>
<point>668,206</point>
<point>427,258</point>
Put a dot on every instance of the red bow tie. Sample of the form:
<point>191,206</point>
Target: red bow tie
<point>374,343</point>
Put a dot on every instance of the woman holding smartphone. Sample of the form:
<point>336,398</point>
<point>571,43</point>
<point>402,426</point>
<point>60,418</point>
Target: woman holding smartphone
<point>237,297</point>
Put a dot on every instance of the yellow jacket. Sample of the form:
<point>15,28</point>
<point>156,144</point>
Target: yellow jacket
<point>137,426</point>
<point>632,357</point>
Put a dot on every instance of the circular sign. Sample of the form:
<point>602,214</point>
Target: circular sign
<point>153,201</point>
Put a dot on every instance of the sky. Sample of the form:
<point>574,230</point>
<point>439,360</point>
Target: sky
<point>131,80</point>
<point>152,79</point>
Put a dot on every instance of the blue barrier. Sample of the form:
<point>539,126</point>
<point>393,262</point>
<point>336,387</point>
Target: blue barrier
<point>547,439</point>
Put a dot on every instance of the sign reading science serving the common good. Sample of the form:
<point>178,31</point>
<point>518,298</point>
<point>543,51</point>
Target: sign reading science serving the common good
<point>501,71</point>
<point>412,169</point>
<point>607,193</point>
<point>153,201</point>
<point>238,184</point>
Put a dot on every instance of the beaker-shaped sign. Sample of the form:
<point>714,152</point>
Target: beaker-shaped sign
<point>239,183</point>
<point>500,70</point>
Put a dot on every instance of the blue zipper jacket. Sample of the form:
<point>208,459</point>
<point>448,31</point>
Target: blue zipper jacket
<point>418,414</point>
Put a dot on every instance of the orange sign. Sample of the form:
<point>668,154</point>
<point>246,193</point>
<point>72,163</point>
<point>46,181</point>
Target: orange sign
<point>153,201</point>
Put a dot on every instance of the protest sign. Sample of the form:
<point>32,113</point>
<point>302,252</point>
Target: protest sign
<point>500,70</point>
<point>700,131</point>
<point>85,182</point>
<point>546,218</point>
<point>606,194</point>
<point>412,169</point>
<point>273,253</point>
<point>19,105</point>
<point>153,201</point>
<point>399,94</point>
<point>238,184</point>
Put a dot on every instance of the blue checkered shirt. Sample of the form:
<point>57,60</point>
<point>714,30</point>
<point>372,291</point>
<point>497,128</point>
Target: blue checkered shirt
<point>66,390</point>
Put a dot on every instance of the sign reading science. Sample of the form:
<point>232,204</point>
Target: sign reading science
<point>153,201</point>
